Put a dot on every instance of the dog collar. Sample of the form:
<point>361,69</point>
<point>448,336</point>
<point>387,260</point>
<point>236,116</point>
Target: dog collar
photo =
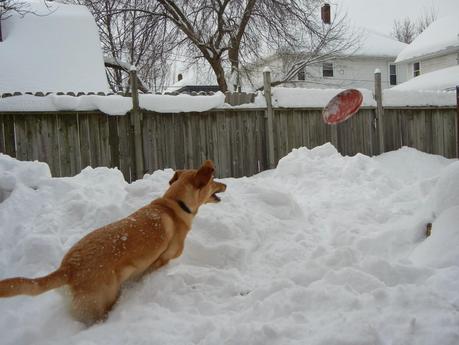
<point>184,206</point>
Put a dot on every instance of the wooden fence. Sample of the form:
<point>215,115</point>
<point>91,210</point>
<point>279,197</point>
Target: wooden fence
<point>236,139</point>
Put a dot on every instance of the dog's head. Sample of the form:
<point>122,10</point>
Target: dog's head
<point>195,187</point>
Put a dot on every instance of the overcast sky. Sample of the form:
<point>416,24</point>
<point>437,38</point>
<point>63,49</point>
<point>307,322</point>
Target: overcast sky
<point>379,15</point>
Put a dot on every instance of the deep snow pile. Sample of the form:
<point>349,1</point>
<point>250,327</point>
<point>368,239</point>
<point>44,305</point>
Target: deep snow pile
<point>324,249</point>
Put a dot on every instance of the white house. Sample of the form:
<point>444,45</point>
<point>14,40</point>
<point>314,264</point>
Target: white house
<point>188,77</point>
<point>55,48</point>
<point>433,56</point>
<point>351,70</point>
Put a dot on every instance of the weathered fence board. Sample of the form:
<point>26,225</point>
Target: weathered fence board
<point>431,130</point>
<point>234,138</point>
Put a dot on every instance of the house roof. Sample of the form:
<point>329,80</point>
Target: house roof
<point>443,79</point>
<point>441,37</point>
<point>370,44</point>
<point>375,44</point>
<point>55,49</point>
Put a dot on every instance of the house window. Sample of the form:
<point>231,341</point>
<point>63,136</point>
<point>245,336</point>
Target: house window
<point>416,69</point>
<point>393,74</point>
<point>327,69</point>
<point>301,74</point>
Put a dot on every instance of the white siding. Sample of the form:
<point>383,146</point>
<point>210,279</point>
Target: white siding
<point>432,64</point>
<point>348,73</point>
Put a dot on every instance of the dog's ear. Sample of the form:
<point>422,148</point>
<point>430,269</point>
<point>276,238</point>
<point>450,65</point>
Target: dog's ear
<point>204,174</point>
<point>175,177</point>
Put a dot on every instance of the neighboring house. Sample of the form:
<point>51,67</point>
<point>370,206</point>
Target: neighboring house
<point>351,70</point>
<point>54,49</point>
<point>435,49</point>
<point>196,77</point>
<point>445,79</point>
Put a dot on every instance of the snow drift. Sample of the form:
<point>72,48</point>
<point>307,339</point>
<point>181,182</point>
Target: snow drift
<point>324,249</point>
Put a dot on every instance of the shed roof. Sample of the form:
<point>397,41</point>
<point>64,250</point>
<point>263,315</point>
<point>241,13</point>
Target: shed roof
<point>55,49</point>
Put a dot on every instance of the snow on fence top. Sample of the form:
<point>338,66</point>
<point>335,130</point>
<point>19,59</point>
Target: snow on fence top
<point>396,98</point>
<point>282,98</point>
<point>112,104</point>
<point>299,98</point>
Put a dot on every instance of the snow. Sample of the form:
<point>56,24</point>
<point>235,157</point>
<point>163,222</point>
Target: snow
<point>401,98</point>
<point>281,97</point>
<point>112,105</point>
<point>446,194</point>
<point>57,50</point>
<point>324,249</point>
<point>375,44</point>
<point>181,103</point>
<point>15,173</point>
<point>443,79</point>
<point>441,36</point>
<point>437,252</point>
<point>299,97</point>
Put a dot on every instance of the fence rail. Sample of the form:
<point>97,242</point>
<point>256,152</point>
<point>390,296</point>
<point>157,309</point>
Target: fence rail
<point>236,139</point>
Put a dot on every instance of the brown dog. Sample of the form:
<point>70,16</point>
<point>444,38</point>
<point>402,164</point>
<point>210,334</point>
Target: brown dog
<point>95,267</point>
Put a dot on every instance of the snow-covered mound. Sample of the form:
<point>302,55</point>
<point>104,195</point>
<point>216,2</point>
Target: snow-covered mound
<point>14,174</point>
<point>447,190</point>
<point>440,250</point>
<point>320,250</point>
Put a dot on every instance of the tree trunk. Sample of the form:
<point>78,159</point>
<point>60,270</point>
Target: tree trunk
<point>233,56</point>
<point>220,74</point>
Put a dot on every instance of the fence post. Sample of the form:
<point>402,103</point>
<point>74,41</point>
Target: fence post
<point>136,121</point>
<point>457,121</point>
<point>379,110</point>
<point>269,115</point>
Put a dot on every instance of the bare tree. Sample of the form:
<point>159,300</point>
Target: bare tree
<point>7,7</point>
<point>133,33</point>
<point>427,18</point>
<point>331,41</point>
<point>404,30</point>
<point>230,33</point>
<point>407,29</point>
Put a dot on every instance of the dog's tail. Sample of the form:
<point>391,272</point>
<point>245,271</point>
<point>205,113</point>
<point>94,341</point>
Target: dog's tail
<point>25,286</point>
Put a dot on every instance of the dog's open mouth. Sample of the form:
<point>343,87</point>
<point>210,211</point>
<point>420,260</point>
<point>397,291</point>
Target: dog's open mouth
<point>216,197</point>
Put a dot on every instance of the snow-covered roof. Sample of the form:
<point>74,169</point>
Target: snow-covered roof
<point>375,44</point>
<point>192,74</point>
<point>57,50</point>
<point>444,79</point>
<point>441,37</point>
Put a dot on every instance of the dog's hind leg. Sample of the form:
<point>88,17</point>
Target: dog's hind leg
<point>93,305</point>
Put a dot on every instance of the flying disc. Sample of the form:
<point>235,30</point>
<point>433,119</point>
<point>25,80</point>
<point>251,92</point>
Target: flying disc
<point>342,106</point>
